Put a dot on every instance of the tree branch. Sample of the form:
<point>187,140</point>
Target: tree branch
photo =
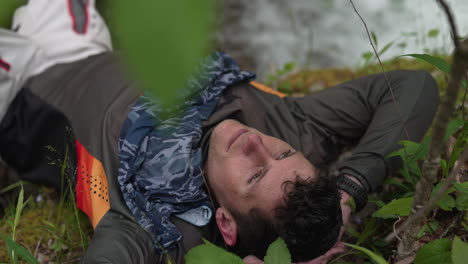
<point>432,202</point>
<point>430,167</point>
<point>451,20</point>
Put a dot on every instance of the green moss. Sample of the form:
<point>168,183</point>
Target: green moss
<point>307,81</point>
<point>50,228</point>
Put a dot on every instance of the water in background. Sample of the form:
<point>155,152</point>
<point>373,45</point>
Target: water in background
<point>263,35</point>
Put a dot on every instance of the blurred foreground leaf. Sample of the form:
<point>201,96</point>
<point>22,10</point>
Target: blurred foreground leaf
<point>162,41</point>
<point>210,253</point>
<point>7,8</point>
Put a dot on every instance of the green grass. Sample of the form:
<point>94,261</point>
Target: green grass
<point>49,229</point>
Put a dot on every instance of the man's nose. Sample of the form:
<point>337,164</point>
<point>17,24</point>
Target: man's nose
<point>254,146</point>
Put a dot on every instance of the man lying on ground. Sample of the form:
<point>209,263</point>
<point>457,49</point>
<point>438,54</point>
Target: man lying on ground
<point>145,182</point>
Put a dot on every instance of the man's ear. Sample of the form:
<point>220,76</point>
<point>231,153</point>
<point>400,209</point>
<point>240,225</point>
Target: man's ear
<point>227,226</point>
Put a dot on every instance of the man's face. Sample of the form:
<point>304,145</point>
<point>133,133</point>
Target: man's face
<point>247,168</point>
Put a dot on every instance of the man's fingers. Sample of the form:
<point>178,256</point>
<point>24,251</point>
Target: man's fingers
<point>252,260</point>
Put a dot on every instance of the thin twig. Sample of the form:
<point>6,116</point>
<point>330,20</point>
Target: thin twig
<point>453,26</point>
<point>397,106</point>
<point>394,226</point>
<point>464,97</point>
<point>37,247</point>
<point>432,202</point>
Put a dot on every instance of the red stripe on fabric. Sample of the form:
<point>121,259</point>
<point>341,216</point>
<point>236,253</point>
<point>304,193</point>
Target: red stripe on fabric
<point>82,189</point>
<point>5,65</point>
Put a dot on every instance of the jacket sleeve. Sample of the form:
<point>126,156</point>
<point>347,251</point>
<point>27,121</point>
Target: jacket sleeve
<point>367,114</point>
<point>118,239</point>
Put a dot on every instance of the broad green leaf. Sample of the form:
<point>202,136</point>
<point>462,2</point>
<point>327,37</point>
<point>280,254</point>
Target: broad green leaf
<point>278,253</point>
<point>19,250</point>
<point>378,259</point>
<point>209,253</point>
<point>395,208</point>
<point>162,41</point>
<point>439,63</point>
<point>459,251</point>
<point>462,202</point>
<point>433,33</point>
<point>437,251</point>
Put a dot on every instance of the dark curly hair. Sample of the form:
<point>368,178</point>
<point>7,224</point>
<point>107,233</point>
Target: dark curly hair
<point>309,220</point>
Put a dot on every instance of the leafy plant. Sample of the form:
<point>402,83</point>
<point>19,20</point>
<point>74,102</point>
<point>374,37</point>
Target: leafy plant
<point>15,250</point>
<point>437,251</point>
<point>18,250</point>
<point>443,251</point>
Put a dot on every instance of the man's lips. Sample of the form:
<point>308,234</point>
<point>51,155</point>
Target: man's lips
<point>235,136</point>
